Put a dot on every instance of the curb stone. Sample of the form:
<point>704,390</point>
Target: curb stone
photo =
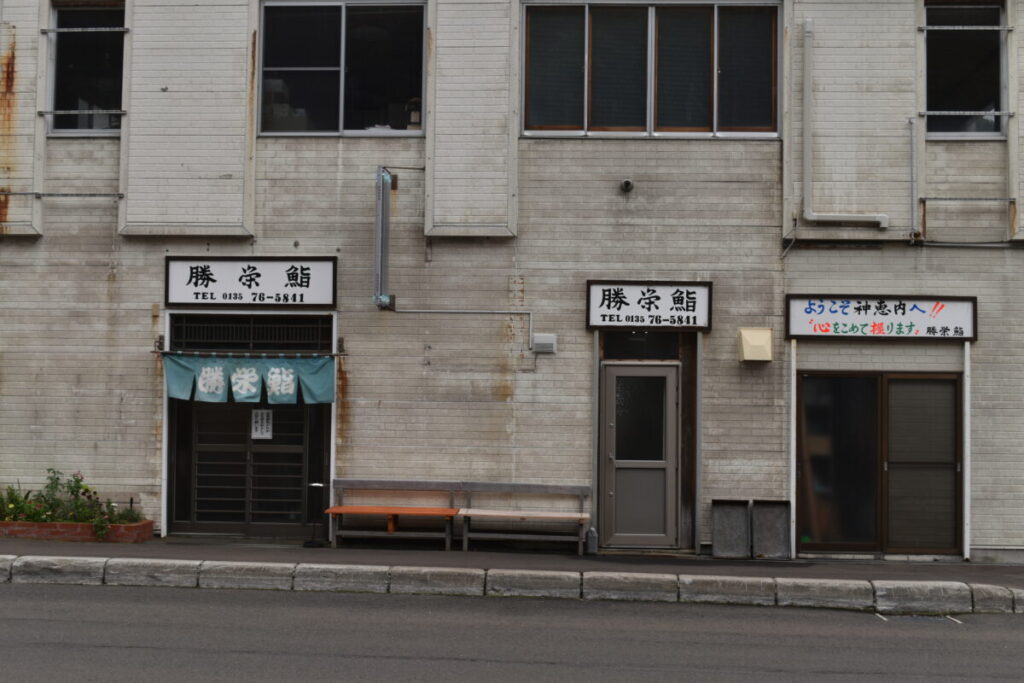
<point>531,583</point>
<point>1018,600</point>
<point>628,586</point>
<point>727,590</point>
<point>831,593</point>
<point>5,567</point>
<point>922,597</point>
<point>437,581</point>
<point>145,572</point>
<point>989,599</point>
<point>81,571</point>
<point>348,578</point>
<point>251,575</point>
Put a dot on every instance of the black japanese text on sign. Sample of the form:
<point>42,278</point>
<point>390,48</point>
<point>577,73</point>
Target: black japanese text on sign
<point>250,282</point>
<point>669,305</point>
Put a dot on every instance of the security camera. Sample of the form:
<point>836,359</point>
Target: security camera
<point>626,185</point>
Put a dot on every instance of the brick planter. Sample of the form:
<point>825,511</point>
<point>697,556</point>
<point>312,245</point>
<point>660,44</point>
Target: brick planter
<point>73,531</point>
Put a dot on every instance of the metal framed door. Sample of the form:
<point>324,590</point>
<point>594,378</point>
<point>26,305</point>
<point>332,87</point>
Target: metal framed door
<point>640,455</point>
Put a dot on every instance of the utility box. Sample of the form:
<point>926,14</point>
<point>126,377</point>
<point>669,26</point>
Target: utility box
<point>769,522</point>
<point>730,529</point>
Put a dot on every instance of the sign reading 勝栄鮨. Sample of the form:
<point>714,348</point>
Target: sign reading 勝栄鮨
<point>254,281</point>
<point>655,304</point>
<point>868,316</point>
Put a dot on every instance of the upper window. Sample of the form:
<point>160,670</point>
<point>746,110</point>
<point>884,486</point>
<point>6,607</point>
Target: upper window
<point>673,68</point>
<point>88,58</point>
<point>334,67</point>
<point>965,49</point>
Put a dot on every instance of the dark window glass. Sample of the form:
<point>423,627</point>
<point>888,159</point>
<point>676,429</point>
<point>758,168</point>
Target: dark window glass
<point>554,67</point>
<point>683,90</point>
<point>301,68</point>
<point>88,69</point>
<point>384,67</point>
<point>746,68</point>
<point>618,67</point>
<point>964,69</point>
<point>640,418</point>
<point>301,37</point>
<point>837,467</point>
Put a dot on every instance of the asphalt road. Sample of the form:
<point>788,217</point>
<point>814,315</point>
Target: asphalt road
<point>104,633</point>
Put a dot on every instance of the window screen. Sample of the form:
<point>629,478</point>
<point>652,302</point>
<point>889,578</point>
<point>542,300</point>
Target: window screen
<point>554,56</point>
<point>87,70</point>
<point>683,95</point>
<point>599,59</point>
<point>618,67</point>
<point>964,70</point>
<point>746,67</point>
<point>304,69</point>
<point>301,68</point>
<point>383,67</point>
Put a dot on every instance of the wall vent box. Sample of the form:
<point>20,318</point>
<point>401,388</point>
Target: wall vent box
<point>755,344</point>
<point>545,343</point>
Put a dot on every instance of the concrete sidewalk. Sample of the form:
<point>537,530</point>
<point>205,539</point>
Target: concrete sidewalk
<point>217,562</point>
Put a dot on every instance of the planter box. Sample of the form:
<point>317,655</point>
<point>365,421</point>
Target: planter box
<point>73,531</point>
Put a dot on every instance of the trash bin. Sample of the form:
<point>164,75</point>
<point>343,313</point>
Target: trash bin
<point>769,522</point>
<point>730,529</point>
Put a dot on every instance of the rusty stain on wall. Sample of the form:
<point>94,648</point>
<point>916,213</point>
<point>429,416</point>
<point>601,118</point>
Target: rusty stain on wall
<point>342,405</point>
<point>8,107</point>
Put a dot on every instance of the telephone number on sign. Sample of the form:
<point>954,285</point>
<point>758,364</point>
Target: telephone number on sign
<point>633,319</point>
<point>254,297</point>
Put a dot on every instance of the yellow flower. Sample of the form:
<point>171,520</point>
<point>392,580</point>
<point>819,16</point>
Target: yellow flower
<point>10,506</point>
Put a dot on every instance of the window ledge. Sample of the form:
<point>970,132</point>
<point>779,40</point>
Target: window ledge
<point>965,137</point>
<point>56,134</point>
<point>344,134</point>
<point>602,135</point>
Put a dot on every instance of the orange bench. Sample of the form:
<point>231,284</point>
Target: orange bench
<point>392,513</point>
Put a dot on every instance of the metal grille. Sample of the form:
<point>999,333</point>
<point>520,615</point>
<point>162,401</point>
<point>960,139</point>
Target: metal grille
<point>260,333</point>
<point>238,479</point>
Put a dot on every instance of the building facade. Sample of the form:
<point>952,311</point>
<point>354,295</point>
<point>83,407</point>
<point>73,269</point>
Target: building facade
<point>678,251</point>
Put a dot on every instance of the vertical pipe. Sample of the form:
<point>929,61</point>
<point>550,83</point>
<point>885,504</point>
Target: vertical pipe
<point>808,116</point>
<point>967,450</point>
<point>913,176</point>
<point>165,436</point>
<point>595,415</point>
<point>792,448</point>
<point>698,428</point>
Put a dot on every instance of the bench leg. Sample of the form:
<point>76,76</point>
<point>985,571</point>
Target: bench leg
<point>579,545</point>
<point>448,533</point>
<point>334,531</point>
<point>465,534</point>
<point>392,523</point>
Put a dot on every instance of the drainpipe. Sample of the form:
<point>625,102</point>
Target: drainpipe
<point>809,215</point>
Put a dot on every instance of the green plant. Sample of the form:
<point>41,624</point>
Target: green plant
<point>64,500</point>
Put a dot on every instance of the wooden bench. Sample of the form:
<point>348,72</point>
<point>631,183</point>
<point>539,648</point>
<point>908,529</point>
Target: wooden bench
<point>470,512</point>
<point>392,513</point>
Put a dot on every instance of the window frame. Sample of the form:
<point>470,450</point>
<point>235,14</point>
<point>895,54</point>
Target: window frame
<point>1004,104</point>
<point>651,131</point>
<point>51,70</point>
<point>342,131</point>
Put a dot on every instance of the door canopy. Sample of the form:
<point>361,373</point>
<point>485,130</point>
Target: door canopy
<point>210,379</point>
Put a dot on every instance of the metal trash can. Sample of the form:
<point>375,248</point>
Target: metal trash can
<point>769,522</point>
<point>730,529</point>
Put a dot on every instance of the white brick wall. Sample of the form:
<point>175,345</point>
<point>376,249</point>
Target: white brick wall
<point>460,396</point>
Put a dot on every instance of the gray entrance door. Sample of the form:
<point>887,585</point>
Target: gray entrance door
<point>640,455</point>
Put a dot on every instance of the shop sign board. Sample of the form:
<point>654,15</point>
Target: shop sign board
<point>618,304</point>
<point>248,282</point>
<point>881,317</point>
<point>262,424</point>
